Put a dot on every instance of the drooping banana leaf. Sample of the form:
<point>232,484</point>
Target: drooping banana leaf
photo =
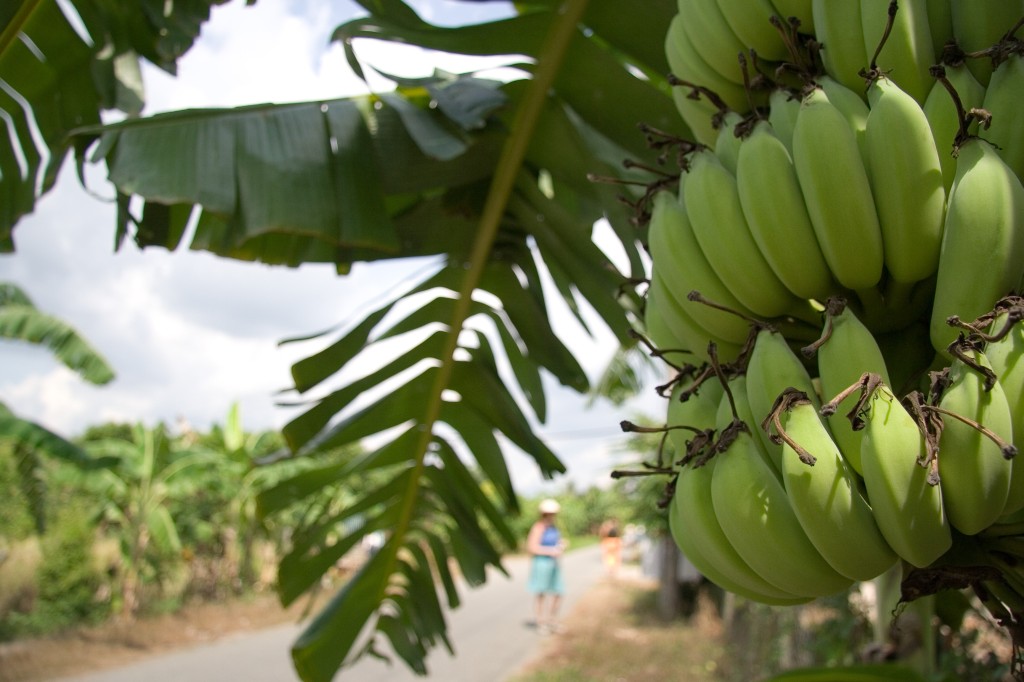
<point>20,320</point>
<point>55,80</point>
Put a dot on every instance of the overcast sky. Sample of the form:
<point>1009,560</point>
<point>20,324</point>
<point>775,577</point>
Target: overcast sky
<point>188,333</point>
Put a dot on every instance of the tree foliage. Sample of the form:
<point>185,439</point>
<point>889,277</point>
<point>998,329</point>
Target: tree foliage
<point>494,178</point>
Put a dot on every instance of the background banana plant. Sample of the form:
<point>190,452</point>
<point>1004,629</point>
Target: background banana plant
<point>495,179</point>
<point>26,441</point>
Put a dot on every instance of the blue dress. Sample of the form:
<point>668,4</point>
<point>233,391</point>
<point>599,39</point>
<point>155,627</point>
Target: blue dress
<point>546,571</point>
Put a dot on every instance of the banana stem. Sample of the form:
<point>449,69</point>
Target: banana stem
<point>1009,450</point>
<point>924,658</point>
<point>887,597</point>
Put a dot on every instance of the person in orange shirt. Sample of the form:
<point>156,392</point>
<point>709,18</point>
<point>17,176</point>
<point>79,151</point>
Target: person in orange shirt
<point>611,547</point>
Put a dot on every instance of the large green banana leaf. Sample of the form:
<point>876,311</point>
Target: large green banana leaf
<point>493,179</point>
<point>53,80</point>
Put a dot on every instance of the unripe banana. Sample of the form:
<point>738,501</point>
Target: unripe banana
<point>751,22</point>
<point>944,119</point>
<point>658,331</point>
<point>784,107</point>
<point>1006,356</point>
<point>982,240</point>
<point>837,192</point>
<point>712,202</point>
<point>759,522</point>
<point>838,27</point>
<point>686,332</point>
<point>771,368</point>
<point>906,181</point>
<point>979,24</point>
<point>845,351</point>
<point>975,475</point>
<point>688,64</point>
<point>850,103</point>
<point>697,533</point>
<point>697,112</point>
<point>769,193</point>
<point>1003,102</point>
<point>908,50</point>
<point>825,493</point>
<point>940,23</point>
<point>713,38</point>
<point>683,268</point>
<point>907,509</point>
<point>699,411</point>
<point>727,144</point>
<point>692,521</point>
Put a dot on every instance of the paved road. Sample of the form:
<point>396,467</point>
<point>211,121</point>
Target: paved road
<point>488,631</point>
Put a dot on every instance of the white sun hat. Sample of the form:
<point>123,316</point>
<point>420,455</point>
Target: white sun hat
<point>550,506</point>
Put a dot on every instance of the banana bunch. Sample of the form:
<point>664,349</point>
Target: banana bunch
<point>845,499</point>
<point>844,251</point>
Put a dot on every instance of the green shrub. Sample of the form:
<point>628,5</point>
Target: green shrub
<point>67,582</point>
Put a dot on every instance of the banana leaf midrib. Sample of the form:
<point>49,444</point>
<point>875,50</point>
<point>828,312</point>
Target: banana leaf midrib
<point>494,208</point>
<point>387,561</point>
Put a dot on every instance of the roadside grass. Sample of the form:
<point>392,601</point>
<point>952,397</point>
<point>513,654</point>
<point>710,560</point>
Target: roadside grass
<point>614,634</point>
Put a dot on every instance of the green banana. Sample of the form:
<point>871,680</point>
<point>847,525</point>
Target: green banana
<point>907,508</point>
<point>982,240</point>
<point>1006,356</point>
<point>838,27</point>
<point>837,192</point>
<point>688,64</point>
<point>713,38</point>
<point>943,118</point>
<point>755,514</point>
<point>979,24</point>
<point>906,181</point>
<point>772,203</point>
<point>825,493</point>
<point>908,50</point>
<point>658,331</point>
<point>750,20</point>
<point>696,531</point>
<point>851,104</point>
<point>845,351</point>
<point>692,521</point>
<point>784,107</point>
<point>1003,101</point>
<point>698,412</point>
<point>727,144</point>
<point>771,368</point>
<point>686,332</point>
<point>974,473</point>
<point>940,23</point>
<point>681,265</point>
<point>697,112</point>
<point>711,199</point>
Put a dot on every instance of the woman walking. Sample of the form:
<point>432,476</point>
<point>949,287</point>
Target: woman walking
<point>545,545</point>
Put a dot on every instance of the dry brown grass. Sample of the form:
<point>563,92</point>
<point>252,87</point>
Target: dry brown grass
<point>118,643</point>
<point>614,635</point>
